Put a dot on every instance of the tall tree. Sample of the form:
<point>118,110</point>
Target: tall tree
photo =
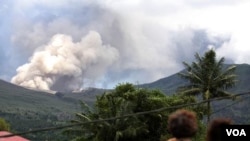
<point>126,99</point>
<point>208,77</point>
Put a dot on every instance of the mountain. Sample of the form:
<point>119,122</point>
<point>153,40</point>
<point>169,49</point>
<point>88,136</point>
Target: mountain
<point>169,85</point>
<point>238,110</point>
<point>35,100</point>
<point>27,109</point>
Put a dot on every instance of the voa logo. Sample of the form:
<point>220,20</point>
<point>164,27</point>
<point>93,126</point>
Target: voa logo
<point>236,132</point>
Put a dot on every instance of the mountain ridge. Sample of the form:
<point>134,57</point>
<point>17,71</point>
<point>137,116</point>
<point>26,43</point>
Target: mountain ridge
<point>27,109</point>
<point>169,84</point>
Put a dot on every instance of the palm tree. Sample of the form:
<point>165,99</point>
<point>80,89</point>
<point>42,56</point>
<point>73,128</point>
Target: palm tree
<point>208,77</point>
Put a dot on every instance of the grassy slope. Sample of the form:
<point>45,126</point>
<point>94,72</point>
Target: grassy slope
<point>27,109</point>
<point>12,96</point>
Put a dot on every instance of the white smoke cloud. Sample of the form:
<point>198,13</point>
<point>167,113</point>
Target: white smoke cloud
<point>152,38</point>
<point>147,50</point>
<point>62,64</point>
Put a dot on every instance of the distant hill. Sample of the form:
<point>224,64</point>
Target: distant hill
<point>238,110</point>
<point>27,109</point>
<point>35,100</point>
<point>169,85</point>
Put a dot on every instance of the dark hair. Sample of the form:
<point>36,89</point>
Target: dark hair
<point>182,124</point>
<point>214,129</point>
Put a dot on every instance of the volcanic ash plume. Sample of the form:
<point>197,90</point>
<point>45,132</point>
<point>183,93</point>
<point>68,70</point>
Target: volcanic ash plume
<point>62,65</point>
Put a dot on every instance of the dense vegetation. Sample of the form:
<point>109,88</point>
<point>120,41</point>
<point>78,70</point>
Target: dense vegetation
<point>123,100</point>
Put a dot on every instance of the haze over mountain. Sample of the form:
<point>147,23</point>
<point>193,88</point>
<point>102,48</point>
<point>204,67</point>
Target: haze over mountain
<point>103,42</point>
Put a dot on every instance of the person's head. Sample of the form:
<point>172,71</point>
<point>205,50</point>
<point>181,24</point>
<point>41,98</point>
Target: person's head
<point>182,124</point>
<point>214,129</point>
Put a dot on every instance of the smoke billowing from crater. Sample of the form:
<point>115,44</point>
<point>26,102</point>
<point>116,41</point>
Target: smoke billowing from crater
<point>63,64</point>
<point>135,41</point>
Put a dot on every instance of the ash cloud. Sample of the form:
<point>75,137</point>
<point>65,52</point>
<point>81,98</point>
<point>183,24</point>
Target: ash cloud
<point>63,64</point>
<point>133,46</point>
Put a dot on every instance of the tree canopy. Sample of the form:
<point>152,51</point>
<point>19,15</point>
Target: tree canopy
<point>208,77</point>
<point>127,99</point>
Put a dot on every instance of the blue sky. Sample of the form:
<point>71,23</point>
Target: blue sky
<point>142,40</point>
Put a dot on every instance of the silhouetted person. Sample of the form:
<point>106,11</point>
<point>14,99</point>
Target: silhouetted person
<point>182,124</point>
<point>214,130</point>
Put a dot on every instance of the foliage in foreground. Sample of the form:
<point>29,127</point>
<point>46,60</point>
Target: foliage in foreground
<point>123,100</point>
<point>4,126</point>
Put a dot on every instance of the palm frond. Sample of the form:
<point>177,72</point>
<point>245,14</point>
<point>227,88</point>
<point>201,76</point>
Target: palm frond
<point>219,64</point>
<point>196,67</point>
<point>190,91</point>
<point>191,77</point>
<point>198,57</point>
<point>187,66</point>
<point>83,116</point>
<point>222,93</point>
<point>225,82</point>
<point>85,107</point>
<point>230,70</point>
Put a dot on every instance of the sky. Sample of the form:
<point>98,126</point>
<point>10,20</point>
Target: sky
<point>67,45</point>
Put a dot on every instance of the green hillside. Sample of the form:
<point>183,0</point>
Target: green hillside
<point>27,109</point>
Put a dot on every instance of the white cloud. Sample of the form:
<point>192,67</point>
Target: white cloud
<point>152,37</point>
<point>219,18</point>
